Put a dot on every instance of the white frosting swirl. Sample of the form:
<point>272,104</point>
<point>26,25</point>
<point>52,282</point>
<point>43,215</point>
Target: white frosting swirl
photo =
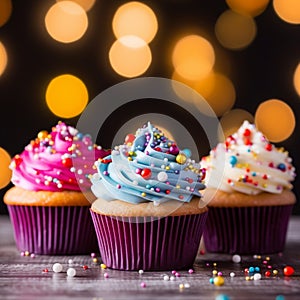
<point>252,164</point>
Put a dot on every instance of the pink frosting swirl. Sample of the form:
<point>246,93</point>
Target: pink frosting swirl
<point>60,160</point>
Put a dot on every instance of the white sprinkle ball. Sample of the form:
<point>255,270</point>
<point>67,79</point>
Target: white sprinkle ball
<point>71,272</point>
<point>257,276</point>
<point>232,274</point>
<point>141,271</point>
<point>57,268</point>
<point>162,176</point>
<point>166,278</point>
<point>70,261</point>
<point>187,285</point>
<point>172,278</point>
<point>236,258</point>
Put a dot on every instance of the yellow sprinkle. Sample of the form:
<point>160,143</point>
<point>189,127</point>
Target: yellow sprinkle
<point>129,158</point>
<point>264,185</point>
<point>103,266</point>
<point>214,264</point>
<point>259,256</point>
<point>177,186</point>
<point>247,278</point>
<point>181,286</point>
<point>268,258</point>
<point>26,253</point>
<point>167,167</point>
<point>143,194</point>
<point>219,280</point>
<point>95,259</point>
<point>275,272</point>
<point>215,272</point>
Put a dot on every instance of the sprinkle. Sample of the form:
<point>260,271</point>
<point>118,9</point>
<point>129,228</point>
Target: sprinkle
<point>26,253</point>
<point>181,286</point>
<point>191,271</point>
<point>288,271</point>
<point>222,297</point>
<point>95,260</point>
<point>103,266</point>
<point>257,276</point>
<point>57,268</point>
<point>236,258</point>
<point>45,271</point>
<point>85,267</point>
<point>214,272</point>
<point>177,274</point>
<point>162,176</point>
<point>166,277</point>
<point>93,254</point>
<point>267,273</point>
<point>219,280</point>
<point>143,284</point>
<point>280,297</point>
<point>106,275</point>
<point>71,272</point>
<point>172,278</point>
<point>275,272</point>
<point>146,173</point>
<point>143,194</point>
<point>32,255</point>
<point>232,274</point>
<point>233,160</point>
<point>141,271</point>
<point>220,274</point>
<point>173,272</point>
<point>187,285</point>
<point>211,280</point>
<point>70,261</point>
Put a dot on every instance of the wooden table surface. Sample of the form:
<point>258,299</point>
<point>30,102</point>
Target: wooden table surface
<point>22,277</point>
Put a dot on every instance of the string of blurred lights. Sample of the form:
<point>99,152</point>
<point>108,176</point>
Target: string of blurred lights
<point>193,60</point>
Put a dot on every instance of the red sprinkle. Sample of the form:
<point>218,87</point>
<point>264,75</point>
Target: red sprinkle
<point>85,267</point>
<point>67,162</point>
<point>45,271</point>
<point>267,273</point>
<point>247,132</point>
<point>268,147</point>
<point>288,271</point>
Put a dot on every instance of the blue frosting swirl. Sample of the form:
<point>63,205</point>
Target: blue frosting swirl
<point>150,167</point>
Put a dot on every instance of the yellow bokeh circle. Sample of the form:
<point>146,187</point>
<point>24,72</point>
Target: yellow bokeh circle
<point>193,57</point>
<point>235,31</point>
<point>135,18</point>
<point>296,79</point>
<point>66,21</point>
<point>130,56</point>
<point>249,7</point>
<point>288,10</point>
<point>85,4</point>
<point>275,119</point>
<point>66,96</point>
<point>3,58</point>
<point>5,171</point>
<point>5,11</point>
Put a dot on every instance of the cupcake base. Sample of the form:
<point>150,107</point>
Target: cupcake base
<point>247,230</point>
<point>148,243</point>
<point>53,230</point>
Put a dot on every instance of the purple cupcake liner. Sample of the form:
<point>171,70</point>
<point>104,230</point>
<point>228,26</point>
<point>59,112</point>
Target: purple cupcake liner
<point>148,243</point>
<point>53,230</point>
<point>247,230</point>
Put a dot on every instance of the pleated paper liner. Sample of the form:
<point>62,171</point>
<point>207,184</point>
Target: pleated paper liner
<point>58,230</point>
<point>147,243</point>
<point>247,230</point>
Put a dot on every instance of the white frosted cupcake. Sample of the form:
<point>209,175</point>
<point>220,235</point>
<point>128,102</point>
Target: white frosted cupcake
<point>250,183</point>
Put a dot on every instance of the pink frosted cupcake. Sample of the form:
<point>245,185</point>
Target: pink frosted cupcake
<point>49,203</point>
<point>148,213</point>
<point>249,180</point>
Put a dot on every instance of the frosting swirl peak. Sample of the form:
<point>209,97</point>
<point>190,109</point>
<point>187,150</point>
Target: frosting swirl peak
<point>60,160</point>
<point>148,167</point>
<point>252,164</point>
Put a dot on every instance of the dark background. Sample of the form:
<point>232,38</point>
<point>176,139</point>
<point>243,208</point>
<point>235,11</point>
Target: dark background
<point>262,71</point>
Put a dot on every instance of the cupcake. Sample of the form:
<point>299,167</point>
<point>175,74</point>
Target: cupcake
<point>149,213</point>
<point>50,200</point>
<point>249,182</point>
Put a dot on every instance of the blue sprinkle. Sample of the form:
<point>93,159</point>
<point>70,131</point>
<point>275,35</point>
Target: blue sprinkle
<point>279,297</point>
<point>187,152</point>
<point>254,174</point>
<point>281,166</point>
<point>251,270</point>
<point>257,269</point>
<point>232,160</point>
<point>211,280</point>
<point>223,297</point>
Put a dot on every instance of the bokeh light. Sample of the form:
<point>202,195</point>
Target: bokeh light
<point>66,96</point>
<point>5,11</point>
<point>215,88</point>
<point>130,56</point>
<point>251,8</point>
<point>3,58</point>
<point>232,120</point>
<point>193,57</point>
<point>235,31</point>
<point>85,4</point>
<point>288,10</point>
<point>135,18</point>
<point>66,21</point>
<point>275,119</point>
<point>296,79</point>
<point>5,172</point>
